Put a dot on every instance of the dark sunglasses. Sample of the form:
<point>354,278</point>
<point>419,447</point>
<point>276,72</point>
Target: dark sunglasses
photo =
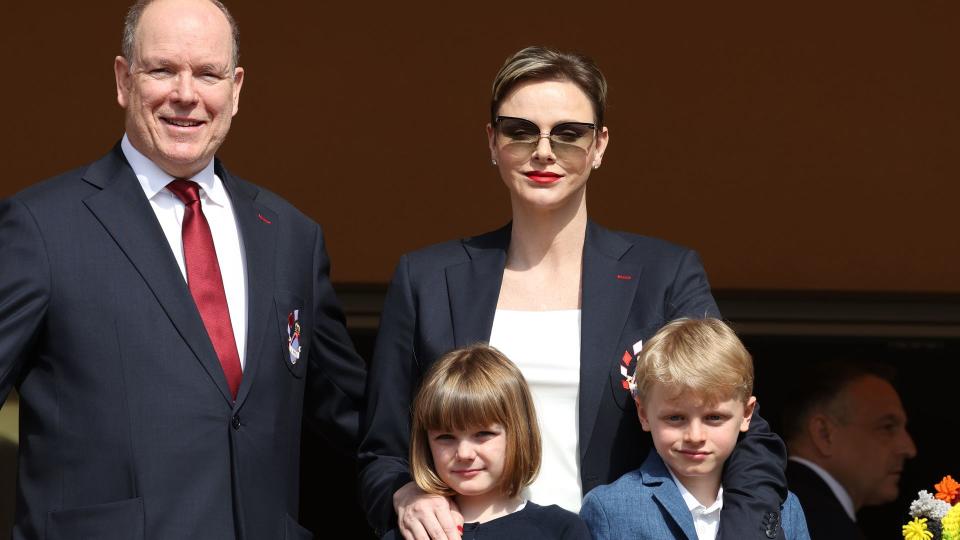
<point>567,140</point>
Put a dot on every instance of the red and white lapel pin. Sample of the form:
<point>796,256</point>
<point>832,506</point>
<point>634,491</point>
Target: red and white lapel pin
<point>629,375</point>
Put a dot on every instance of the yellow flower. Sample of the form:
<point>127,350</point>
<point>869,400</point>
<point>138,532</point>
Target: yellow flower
<point>951,524</point>
<point>917,530</point>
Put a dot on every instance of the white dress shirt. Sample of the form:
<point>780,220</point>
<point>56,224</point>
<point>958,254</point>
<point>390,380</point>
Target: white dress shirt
<point>838,491</point>
<point>706,519</point>
<point>218,210</point>
<point>545,345</point>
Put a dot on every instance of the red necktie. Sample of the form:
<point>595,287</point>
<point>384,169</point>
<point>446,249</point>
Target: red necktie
<point>205,282</point>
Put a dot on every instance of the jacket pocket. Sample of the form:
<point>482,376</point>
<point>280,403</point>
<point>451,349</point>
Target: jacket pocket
<point>293,530</point>
<point>120,520</point>
<point>294,333</point>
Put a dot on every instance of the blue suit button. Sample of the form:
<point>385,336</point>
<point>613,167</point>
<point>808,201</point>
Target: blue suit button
<point>236,422</point>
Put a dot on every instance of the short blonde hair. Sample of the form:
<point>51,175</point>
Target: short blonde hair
<point>469,387</point>
<point>545,64</point>
<point>702,356</point>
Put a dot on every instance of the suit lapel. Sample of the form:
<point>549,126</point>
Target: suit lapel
<point>608,288</point>
<point>126,214</point>
<point>474,286</point>
<point>257,225</point>
<point>667,494</point>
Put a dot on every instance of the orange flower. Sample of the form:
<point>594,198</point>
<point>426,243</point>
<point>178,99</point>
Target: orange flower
<point>948,490</point>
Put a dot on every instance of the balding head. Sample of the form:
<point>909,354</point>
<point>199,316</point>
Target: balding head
<point>851,422</point>
<point>132,21</point>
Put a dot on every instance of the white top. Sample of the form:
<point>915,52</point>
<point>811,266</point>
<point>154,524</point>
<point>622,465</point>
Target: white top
<point>218,210</point>
<point>838,491</point>
<point>706,519</point>
<point>545,345</point>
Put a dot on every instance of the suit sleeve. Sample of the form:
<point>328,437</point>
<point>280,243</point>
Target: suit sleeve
<point>24,290</point>
<point>394,375</point>
<point>754,482</point>
<point>334,396</point>
<point>689,295</point>
<point>591,512</point>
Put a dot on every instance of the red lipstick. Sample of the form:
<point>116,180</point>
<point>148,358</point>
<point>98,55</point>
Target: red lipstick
<point>543,177</point>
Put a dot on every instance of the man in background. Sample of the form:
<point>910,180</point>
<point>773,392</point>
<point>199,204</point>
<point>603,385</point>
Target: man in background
<point>846,434</point>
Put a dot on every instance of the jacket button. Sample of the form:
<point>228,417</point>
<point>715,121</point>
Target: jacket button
<point>236,422</point>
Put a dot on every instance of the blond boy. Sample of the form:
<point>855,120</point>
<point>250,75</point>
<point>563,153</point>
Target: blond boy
<point>693,388</point>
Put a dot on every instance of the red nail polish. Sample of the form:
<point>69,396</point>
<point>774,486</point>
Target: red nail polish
<point>460,528</point>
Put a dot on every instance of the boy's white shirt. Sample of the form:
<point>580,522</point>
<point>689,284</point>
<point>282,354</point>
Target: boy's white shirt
<point>706,520</point>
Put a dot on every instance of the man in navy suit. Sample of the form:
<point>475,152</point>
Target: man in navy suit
<point>167,324</point>
<point>846,432</point>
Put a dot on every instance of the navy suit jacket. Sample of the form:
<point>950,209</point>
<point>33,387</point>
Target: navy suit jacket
<point>646,504</point>
<point>128,429</point>
<point>825,515</point>
<point>445,296</point>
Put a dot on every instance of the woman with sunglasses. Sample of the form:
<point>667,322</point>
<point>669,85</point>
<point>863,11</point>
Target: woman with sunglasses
<point>567,300</point>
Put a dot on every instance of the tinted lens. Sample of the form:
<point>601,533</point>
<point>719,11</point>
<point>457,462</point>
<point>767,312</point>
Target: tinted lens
<point>518,130</point>
<point>569,141</point>
<point>568,153</point>
<point>573,133</point>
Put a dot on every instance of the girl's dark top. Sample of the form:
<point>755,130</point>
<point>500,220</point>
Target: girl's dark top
<point>533,522</point>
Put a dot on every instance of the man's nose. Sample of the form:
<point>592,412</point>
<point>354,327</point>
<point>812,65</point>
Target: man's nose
<point>908,448</point>
<point>184,89</point>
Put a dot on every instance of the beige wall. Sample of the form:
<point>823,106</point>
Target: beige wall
<point>800,147</point>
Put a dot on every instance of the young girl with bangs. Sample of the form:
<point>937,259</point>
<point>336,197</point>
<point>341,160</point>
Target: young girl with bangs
<point>475,438</point>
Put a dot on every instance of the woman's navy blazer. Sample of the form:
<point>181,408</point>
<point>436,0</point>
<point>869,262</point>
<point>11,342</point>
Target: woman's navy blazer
<point>445,296</point>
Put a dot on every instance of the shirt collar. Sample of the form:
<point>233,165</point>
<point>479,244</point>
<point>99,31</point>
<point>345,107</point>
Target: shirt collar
<point>154,180</point>
<point>692,503</point>
<point>838,491</point>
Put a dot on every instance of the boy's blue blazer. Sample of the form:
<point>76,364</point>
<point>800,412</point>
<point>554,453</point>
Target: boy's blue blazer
<point>646,504</point>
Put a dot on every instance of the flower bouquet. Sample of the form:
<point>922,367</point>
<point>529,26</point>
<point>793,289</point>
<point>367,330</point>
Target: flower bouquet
<point>935,517</point>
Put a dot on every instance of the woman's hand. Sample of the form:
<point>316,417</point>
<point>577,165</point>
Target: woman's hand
<point>421,516</point>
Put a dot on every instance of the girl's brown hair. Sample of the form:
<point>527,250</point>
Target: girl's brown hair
<point>476,386</point>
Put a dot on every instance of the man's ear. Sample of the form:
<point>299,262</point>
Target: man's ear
<point>121,72</point>
<point>642,415</point>
<point>237,85</point>
<point>822,433</point>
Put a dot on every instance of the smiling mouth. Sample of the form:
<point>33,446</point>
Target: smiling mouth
<point>182,123</point>
<point>694,453</point>
<point>543,177</point>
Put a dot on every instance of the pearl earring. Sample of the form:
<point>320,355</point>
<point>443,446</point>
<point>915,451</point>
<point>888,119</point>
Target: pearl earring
<point>493,162</point>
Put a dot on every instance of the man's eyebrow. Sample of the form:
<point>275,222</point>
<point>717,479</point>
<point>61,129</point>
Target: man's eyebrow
<point>892,417</point>
<point>154,61</point>
<point>222,69</point>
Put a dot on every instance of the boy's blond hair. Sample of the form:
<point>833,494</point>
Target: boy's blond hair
<point>701,356</point>
<point>475,386</point>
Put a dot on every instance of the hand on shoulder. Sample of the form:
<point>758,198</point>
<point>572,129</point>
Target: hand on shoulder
<point>422,516</point>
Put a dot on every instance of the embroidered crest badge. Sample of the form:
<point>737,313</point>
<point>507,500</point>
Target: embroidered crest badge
<point>293,336</point>
<point>629,375</point>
